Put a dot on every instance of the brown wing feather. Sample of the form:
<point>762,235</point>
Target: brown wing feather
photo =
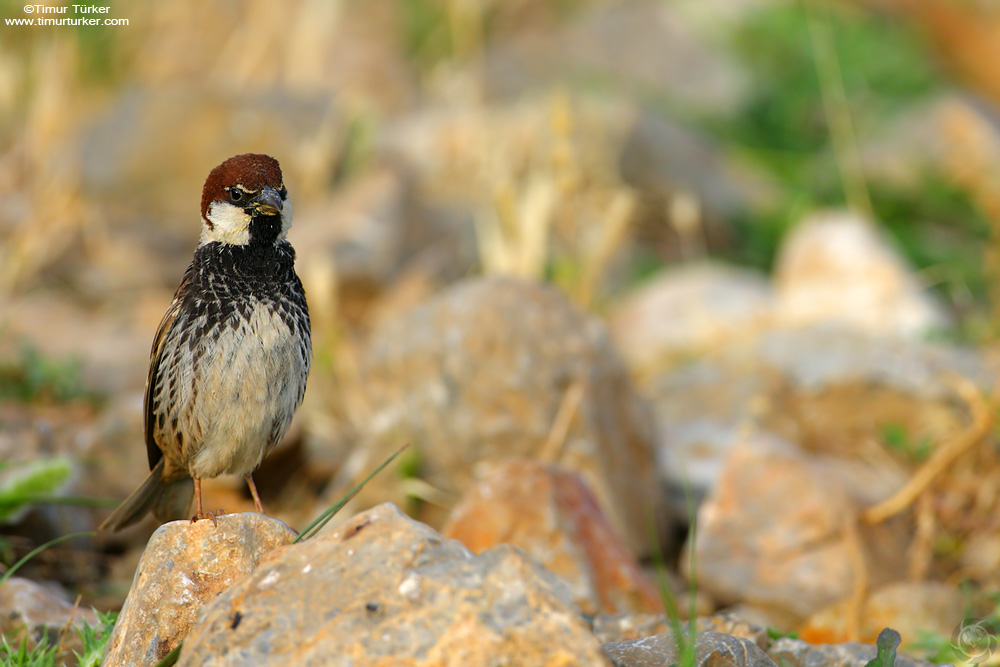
<point>163,332</point>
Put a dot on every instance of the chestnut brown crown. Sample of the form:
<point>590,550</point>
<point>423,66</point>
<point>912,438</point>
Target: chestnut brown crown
<point>249,171</point>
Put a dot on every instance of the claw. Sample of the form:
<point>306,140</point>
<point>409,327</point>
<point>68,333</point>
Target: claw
<point>211,514</point>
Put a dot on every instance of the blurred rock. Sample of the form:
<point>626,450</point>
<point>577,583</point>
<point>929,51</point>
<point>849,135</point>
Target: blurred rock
<point>551,514</point>
<point>754,545</point>
<point>626,627</point>
<point>42,613</point>
<point>832,391</point>
<point>797,653</point>
<point>481,372</point>
<point>186,565</point>
<point>381,588</point>
<point>711,649</point>
<point>837,267</point>
<point>689,308</point>
<point>636,47</point>
<point>909,607</point>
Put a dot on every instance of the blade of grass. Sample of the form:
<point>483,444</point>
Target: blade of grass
<point>172,657</point>
<point>322,520</point>
<point>37,550</point>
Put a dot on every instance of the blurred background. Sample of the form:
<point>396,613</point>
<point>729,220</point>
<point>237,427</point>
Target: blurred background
<point>783,217</point>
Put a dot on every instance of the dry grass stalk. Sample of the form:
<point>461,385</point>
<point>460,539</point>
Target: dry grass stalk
<point>982,424</point>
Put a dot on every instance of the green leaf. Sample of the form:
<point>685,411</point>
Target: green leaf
<point>20,484</point>
<point>888,641</point>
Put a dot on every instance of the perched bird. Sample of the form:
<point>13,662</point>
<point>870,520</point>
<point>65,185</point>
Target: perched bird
<point>230,359</point>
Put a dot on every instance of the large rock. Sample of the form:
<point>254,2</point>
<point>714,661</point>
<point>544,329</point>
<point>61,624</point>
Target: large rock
<point>755,545</point>
<point>383,589</point>
<point>186,565</point>
<point>41,614</point>
<point>828,389</point>
<point>480,373</point>
<point>550,513</point>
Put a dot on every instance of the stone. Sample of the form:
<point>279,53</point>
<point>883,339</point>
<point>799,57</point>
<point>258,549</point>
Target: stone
<point>384,589</point>
<point>838,267</point>
<point>689,309</point>
<point>626,627</point>
<point>185,565</point>
<point>831,390</point>
<point>797,653</point>
<point>754,546</point>
<point>910,607</point>
<point>551,514</point>
<point>481,372</point>
<point>712,649</point>
<point>42,614</point>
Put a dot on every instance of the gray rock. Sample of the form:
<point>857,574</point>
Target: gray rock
<point>384,589</point>
<point>712,649</point>
<point>797,653</point>
<point>184,566</point>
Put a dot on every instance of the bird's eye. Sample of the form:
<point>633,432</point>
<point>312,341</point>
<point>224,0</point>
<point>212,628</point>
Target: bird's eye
<point>283,192</point>
<point>235,194</point>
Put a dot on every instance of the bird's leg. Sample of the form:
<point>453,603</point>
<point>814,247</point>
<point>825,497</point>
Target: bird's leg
<point>253,492</point>
<point>199,514</point>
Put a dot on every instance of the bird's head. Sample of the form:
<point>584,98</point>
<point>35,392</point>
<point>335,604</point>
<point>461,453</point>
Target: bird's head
<point>245,202</point>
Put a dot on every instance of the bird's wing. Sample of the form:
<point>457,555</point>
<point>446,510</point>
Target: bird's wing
<point>163,333</point>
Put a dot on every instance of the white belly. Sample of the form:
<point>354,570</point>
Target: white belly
<point>250,381</point>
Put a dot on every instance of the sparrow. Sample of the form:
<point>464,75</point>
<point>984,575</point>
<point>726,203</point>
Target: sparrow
<point>230,359</point>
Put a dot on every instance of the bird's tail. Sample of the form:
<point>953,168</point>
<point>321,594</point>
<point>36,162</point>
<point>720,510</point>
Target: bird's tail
<point>167,500</point>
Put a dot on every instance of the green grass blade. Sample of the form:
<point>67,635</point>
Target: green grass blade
<point>172,657</point>
<point>37,550</point>
<point>322,520</point>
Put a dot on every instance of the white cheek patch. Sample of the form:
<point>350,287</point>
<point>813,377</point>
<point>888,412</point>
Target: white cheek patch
<point>230,224</point>
<point>286,219</point>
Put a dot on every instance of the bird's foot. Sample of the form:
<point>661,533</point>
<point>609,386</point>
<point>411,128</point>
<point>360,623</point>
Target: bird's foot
<point>211,514</point>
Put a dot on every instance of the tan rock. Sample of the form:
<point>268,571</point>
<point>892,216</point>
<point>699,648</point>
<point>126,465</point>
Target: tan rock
<point>184,566</point>
<point>382,589</point>
<point>775,532</point>
<point>550,513</point>
<point>481,372</point>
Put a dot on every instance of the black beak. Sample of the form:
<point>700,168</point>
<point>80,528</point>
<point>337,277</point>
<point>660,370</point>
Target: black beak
<point>268,202</point>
